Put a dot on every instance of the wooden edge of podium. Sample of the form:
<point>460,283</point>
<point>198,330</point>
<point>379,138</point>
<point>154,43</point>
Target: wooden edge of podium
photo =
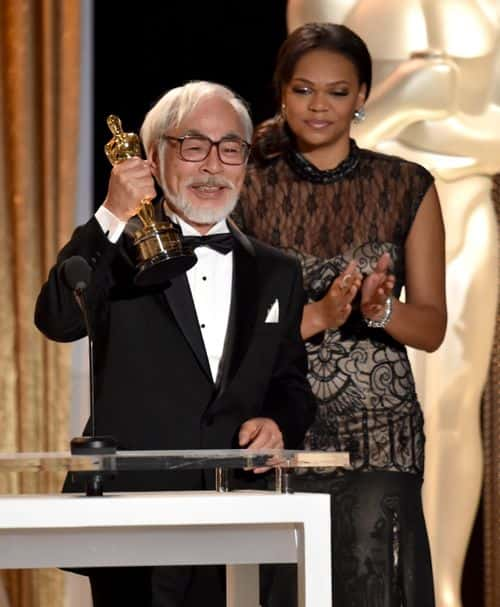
<point>320,459</point>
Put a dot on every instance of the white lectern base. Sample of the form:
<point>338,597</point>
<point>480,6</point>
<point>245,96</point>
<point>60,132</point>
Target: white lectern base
<point>240,529</point>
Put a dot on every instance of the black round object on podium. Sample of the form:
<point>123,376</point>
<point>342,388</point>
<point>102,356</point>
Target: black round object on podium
<point>93,445</point>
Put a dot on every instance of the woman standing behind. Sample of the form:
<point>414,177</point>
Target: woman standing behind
<point>363,226</point>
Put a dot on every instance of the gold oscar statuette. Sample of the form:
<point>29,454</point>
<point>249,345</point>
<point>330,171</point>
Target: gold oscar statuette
<point>160,254</point>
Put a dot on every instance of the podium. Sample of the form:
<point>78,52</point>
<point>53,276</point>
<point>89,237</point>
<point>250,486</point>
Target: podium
<point>240,529</point>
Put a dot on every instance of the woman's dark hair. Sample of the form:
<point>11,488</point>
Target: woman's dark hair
<point>272,137</point>
<point>325,37</point>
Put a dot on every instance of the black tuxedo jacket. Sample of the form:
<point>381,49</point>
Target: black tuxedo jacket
<point>153,384</point>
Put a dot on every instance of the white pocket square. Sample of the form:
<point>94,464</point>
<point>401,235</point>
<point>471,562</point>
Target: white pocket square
<point>273,314</point>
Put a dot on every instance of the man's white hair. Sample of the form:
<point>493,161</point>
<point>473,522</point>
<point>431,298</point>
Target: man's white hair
<point>170,110</point>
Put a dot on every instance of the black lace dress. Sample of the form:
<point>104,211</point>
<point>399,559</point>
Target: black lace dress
<point>362,379</point>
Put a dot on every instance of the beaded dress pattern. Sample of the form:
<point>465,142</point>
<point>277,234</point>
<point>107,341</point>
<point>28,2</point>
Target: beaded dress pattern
<point>361,377</point>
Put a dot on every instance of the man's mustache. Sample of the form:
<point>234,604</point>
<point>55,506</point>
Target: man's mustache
<point>212,182</point>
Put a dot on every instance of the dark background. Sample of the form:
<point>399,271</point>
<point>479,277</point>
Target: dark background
<point>142,49</point>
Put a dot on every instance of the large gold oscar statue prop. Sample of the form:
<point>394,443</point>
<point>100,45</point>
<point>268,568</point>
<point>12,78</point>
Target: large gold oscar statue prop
<point>436,100</point>
<point>159,250</point>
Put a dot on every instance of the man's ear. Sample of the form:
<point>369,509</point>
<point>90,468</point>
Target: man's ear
<point>154,162</point>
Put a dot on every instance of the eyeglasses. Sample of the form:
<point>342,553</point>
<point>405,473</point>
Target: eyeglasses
<point>195,148</point>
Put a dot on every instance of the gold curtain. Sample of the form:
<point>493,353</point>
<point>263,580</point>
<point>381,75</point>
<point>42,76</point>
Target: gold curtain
<point>39,91</point>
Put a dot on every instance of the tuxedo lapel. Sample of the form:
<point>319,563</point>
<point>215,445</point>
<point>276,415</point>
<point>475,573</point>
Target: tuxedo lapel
<point>243,311</point>
<point>180,300</point>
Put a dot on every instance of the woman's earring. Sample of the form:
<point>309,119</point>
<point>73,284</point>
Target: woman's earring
<point>283,111</point>
<point>359,115</point>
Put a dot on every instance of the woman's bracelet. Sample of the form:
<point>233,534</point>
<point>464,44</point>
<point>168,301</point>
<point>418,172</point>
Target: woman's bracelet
<point>381,322</point>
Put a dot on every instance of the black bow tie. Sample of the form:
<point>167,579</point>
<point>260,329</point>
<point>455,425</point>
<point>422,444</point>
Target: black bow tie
<point>222,243</point>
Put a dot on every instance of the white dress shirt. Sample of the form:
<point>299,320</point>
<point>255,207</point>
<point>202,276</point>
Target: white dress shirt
<point>210,281</point>
<point>110,224</point>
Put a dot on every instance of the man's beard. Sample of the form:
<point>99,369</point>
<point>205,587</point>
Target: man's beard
<point>195,213</point>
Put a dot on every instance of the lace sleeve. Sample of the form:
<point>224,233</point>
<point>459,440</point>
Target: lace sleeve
<point>420,180</point>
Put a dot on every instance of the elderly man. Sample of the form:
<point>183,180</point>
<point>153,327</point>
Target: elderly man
<point>212,359</point>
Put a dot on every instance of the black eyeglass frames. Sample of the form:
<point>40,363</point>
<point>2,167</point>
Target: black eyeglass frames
<point>195,148</point>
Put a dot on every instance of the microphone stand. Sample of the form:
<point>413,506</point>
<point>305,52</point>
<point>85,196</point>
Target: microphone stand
<point>91,445</point>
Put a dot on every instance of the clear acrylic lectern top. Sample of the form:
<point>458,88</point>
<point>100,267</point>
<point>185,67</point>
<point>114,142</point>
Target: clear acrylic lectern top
<point>282,460</point>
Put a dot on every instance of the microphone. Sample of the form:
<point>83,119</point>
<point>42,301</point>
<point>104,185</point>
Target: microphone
<point>77,275</point>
